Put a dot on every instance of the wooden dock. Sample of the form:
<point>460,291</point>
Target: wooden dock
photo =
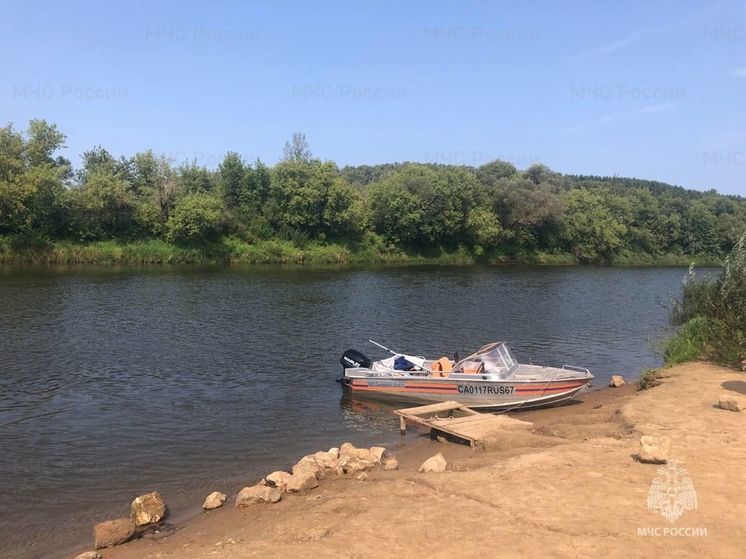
<point>459,421</point>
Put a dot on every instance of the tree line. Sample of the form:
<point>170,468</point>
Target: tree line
<point>426,209</point>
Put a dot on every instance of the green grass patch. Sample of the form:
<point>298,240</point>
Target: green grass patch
<point>688,343</point>
<point>648,379</point>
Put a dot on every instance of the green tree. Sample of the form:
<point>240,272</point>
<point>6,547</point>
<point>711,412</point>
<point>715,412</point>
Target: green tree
<point>297,149</point>
<point>196,217</point>
<point>590,229</point>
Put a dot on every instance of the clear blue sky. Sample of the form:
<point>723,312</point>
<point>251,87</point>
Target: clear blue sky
<point>647,89</point>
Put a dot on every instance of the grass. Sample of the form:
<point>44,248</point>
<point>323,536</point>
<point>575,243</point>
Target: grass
<point>636,258</point>
<point>229,250</point>
<point>688,343</point>
<point>648,379</point>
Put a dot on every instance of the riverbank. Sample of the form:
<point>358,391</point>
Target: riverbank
<point>231,251</point>
<point>571,487</point>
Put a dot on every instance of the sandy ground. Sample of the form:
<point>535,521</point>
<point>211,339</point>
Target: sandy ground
<point>572,488</point>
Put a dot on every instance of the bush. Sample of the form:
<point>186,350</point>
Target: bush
<point>712,315</point>
<point>196,217</point>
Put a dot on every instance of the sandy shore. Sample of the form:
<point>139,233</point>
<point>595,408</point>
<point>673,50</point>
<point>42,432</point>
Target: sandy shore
<point>570,488</point>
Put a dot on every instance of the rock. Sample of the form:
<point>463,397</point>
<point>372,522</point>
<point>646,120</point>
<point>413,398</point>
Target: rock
<point>302,481</point>
<point>325,459</point>
<point>257,494</point>
<point>436,463</point>
<point>378,453</point>
<point>89,555</point>
<point>348,450</point>
<point>349,465</point>
<point>148,509</point>
<point>362,476</point>
<point>616,381</point>
<point>334,452</point>
<point>391,464</point>
<point>278,479</point>
<point>113,532</point>
<point>307,464</point>
<point>732,402</point>
<point>655,449</point>
<point>214,500</point>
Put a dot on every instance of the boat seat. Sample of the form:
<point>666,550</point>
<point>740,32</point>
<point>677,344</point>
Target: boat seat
<point>472,367</point>
<point>442,367</point>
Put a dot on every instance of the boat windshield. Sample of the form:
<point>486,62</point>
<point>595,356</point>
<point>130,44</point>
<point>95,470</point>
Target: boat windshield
<point>492,359</point>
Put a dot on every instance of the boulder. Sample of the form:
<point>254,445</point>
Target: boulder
<point>307,464</point>
<point>435,463</point>
<point>348,450</point>
<point>301,481</point>
<point>363,476</point>
<point>732,402</point>
<point>655,449</point>
<point>148,509</point>
<point>113,532</point>
<point>278,479</point>
<point>257,494</point>
<point>334,452</point>
<point>378,453</point>
<point>349,465</point>
<point>89,555</point>
<point>214,500</point>
<point>325,459</point>
<point>391,464</point>
<point>616,381</point>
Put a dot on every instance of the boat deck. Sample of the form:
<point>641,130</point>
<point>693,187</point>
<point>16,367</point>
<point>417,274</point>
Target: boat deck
<point>459,421</point>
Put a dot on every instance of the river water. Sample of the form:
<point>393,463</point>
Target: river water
<point>118,382</point>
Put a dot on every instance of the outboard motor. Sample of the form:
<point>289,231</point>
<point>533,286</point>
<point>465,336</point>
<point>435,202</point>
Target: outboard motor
<point>353,358</point>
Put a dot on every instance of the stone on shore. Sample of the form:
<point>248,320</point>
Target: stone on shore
<point>307,464</point>
<point>732,402</point>
<point>378,453</point>
<point>616,381</point>
<point>348,465</point>
<point>325,459</point>
<point>278,479</point>
<point>434,464</point>
<point>363,476</point>
<point>148,509</point>
<point>655,449</point>
<point>214,500</point>
<point>257,494</point>
<point>113,532</point>
<point>334,452</point>
<point>301,481</point>
<point>89,555</point>
<point>348,450</point>
<point>391,464</point>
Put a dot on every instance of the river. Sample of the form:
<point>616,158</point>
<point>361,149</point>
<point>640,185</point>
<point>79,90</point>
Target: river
<point>188,380</point>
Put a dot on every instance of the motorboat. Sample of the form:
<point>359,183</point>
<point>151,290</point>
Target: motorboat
<point>488,379</point>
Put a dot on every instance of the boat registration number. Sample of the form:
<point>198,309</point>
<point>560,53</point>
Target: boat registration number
<point>495,390</point>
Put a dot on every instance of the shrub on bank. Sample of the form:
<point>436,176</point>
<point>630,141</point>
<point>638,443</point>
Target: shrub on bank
<point>711,315</point>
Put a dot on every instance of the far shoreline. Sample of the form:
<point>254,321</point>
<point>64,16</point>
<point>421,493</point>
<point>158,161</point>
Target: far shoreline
<point>230,252</point>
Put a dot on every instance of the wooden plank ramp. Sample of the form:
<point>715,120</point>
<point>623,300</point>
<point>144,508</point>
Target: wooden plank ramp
<point>459,421</point>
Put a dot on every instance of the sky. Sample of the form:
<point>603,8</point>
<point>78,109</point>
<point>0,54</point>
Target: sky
<point>653,90</point>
